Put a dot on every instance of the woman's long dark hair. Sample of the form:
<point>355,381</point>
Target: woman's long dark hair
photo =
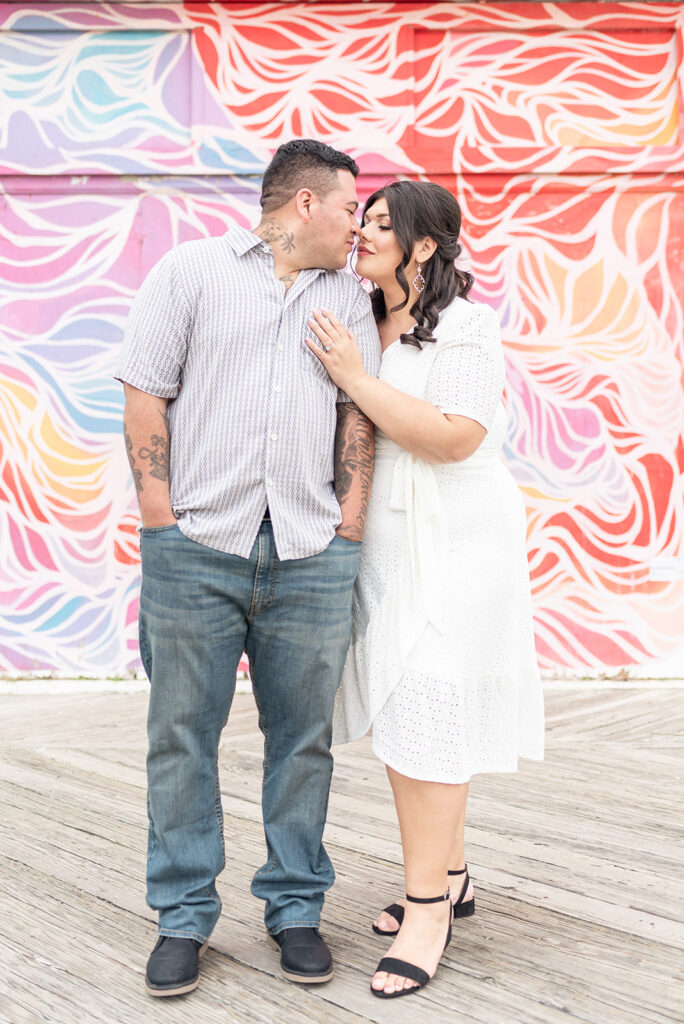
<point>419,209</point>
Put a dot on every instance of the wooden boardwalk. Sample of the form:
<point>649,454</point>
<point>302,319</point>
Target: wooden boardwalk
<point>577,864</point>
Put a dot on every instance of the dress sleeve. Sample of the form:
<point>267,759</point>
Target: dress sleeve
<point>157,330</point>
<point>468,373</point>
<point>362,325</point>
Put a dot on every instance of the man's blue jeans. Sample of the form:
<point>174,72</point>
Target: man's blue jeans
<point>199,609</point>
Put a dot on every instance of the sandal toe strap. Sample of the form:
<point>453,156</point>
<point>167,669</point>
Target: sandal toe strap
<point>395,910</point>
<point>404,969</point>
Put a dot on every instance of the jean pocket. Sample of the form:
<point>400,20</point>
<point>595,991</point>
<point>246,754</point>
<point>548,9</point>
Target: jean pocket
<point>147,530</point>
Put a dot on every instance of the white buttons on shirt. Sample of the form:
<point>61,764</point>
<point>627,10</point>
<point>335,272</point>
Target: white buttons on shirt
<point>274,437</point>
<point>277,388</point>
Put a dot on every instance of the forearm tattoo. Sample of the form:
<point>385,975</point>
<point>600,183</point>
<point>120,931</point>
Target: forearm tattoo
<point>156,454</point>
<point>137,474</point>
<point>354,450</point>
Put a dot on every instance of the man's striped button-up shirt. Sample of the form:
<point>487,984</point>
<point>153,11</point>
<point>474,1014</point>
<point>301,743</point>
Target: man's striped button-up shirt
<point>252,412</point>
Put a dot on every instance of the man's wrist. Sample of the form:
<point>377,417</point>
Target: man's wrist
<point>351,532</point>
<point>152,518</point>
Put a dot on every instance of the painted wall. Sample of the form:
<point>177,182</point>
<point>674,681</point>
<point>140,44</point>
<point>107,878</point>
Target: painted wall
<point>125,129</point>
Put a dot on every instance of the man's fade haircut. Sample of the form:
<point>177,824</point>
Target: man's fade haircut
<point>302,163</point>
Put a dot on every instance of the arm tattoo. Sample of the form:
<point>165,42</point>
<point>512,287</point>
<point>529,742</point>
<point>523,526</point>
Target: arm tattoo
<point>354,450</point>
<point>158,454</point>
<point>137,473</point>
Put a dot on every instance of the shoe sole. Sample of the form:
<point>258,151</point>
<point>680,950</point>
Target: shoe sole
<point>301,979</point>
<point>180,990</point>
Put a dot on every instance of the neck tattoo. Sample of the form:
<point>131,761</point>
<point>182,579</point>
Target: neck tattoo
<point>276,235</point>
<point>288,279</point>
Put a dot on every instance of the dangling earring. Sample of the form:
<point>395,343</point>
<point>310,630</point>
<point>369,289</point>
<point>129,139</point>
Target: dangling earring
<point>419,280</point>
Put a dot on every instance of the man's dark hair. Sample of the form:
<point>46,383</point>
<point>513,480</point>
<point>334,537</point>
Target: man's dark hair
<point>302,163</point>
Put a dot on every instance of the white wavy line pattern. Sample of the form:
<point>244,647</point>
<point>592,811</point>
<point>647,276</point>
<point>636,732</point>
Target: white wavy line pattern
<point>583,263</point>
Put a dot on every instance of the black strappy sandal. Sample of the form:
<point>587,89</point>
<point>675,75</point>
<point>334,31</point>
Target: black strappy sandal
<point>391,965</point>
<point>462,907</point>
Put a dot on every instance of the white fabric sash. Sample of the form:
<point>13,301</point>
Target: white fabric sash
<point>414,491</point>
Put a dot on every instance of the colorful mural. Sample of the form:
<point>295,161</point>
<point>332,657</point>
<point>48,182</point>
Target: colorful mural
<point>127,128</point>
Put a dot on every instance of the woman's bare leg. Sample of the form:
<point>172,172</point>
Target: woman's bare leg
<point>457,857</point>
<point>429,813</point>
<point>456,860</point>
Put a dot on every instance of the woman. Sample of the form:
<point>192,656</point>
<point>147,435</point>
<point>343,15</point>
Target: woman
<point>442,662</point>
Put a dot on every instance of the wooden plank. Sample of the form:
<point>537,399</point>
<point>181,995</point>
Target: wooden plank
<point>577,863</point>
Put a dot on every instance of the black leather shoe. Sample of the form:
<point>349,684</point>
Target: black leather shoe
<point>173,967</point>
<point>304,956</point>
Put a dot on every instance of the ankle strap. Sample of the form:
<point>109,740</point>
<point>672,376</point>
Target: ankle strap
<point>461,872</point>
<point>431,899</point>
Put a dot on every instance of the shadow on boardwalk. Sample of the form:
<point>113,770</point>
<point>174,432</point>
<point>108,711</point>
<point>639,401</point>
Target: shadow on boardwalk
<point>576,863</point>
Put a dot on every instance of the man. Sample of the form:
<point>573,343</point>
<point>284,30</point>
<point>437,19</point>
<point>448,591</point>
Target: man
<point>253,475</point>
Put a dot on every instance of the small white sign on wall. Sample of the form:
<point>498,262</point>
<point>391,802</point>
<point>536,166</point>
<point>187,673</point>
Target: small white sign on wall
<point>670,568</point>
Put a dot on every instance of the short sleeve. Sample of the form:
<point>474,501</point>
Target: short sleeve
<point>363,327</point>
<point>468,373</point>
<point>157,331</point>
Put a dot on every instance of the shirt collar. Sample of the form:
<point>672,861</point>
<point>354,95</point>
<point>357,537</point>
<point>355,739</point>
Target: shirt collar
<point>241,240</point>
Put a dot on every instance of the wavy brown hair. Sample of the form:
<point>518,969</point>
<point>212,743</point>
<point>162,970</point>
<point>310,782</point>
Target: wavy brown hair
<point>419,209</point>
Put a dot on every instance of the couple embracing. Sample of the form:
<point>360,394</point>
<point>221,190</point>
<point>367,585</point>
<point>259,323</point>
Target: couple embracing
<point>276,417</point>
